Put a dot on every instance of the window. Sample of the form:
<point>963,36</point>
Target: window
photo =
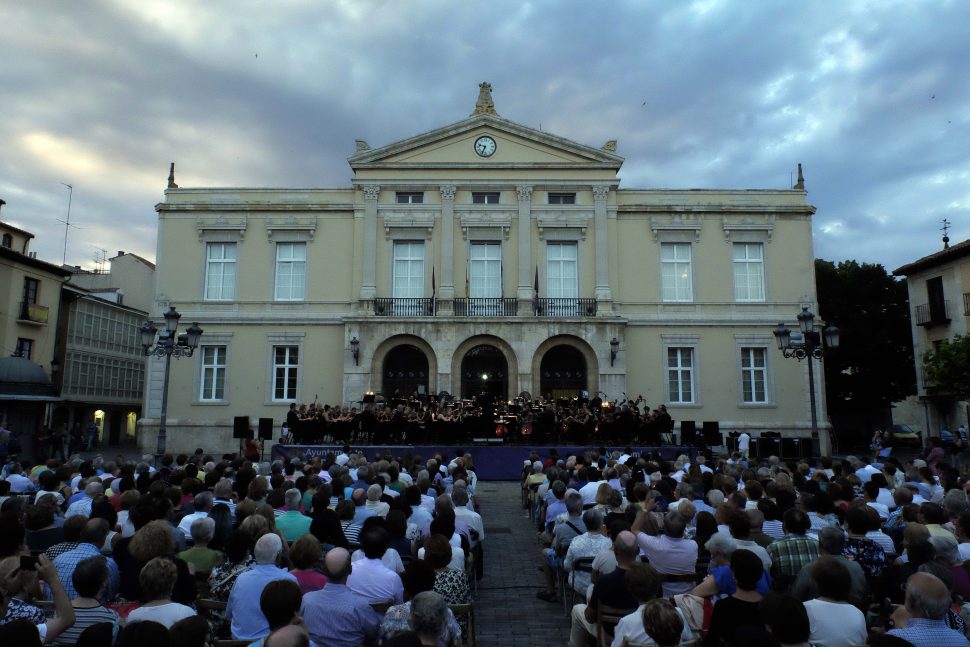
<point>490,197</point>
<point>285,370</point>
<point>485,271</point>
<point>24,346</point>
<point>31,288</point>
<point>749,272</point>
<point>754,376</point>
<point>937,302</point>
<point>213,383</point>
<point>676,272</point>
<point>562,198</point>
<point>290,271</point>
<point>220,271</point>
<point>404,197</point>
<point>562,275</point>
<point>7,241</point>
<point>408,279</point>
<point>680,375</point>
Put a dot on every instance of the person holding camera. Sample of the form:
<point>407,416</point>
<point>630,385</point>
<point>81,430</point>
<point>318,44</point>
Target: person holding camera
<point>20,578</point>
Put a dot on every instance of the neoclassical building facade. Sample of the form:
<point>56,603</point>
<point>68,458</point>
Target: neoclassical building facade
<point>484,255</point>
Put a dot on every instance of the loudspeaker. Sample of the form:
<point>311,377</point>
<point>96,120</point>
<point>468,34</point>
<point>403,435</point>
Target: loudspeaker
<point>266,429</point>
<point>240,427</point>
<point>687,432</point>
<point>712,433</point>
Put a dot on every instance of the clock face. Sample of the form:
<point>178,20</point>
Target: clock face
<point>485,146</point>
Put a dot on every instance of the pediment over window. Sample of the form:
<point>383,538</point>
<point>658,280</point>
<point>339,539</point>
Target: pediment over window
<point>478,223</point>
<point>748,229</point>
<point>575,221</point>
<point>676,228</point>
<point>291,229</point>
<point>418,224</point>
<point>221,229</point>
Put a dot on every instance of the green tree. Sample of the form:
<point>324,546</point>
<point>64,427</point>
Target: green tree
<point>947,367</point>
<point>874,365</point>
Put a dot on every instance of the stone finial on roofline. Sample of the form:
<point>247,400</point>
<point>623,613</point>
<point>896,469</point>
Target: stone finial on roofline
<point>484,105</point>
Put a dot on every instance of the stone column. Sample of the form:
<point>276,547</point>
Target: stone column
<point>368,288</point>
<point>446,271</point>
<point>524,289</point>
<point>603,293</point>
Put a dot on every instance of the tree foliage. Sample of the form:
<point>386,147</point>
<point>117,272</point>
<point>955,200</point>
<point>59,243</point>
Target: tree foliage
<point>874,364</point>
<point>947,367</point>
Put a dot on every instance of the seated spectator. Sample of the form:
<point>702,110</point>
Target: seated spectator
<point>669,553</point>
<point>948,555</point>
<point>833,621</point>
<point>610,589</point>
<point>157,580</point>
<point>336,616</point>
<point>720,581</point>
<point>741,608</point>
<point>351,529</point>
<point>293,523</point>
<point>643,582</point>
<point>304,554</point>
<point>42,532</point>
<point>757,519</point>
<point>280,603</point>
<point>429,617</point>
<point>589,544</point>
<point>143,634</point>
<point>870,556</point>
<point>82,507</point>
<point>374,503</point>
<point>20,587</point>
<point>444,525</point>
<point>397,528</point>
<point>242,611</point>
<point>370,578</point>
<point>962,532</point>
<point>237,561</point>
<point>796,549</point>
<point>942,572</point>
<point>361,511</point>
<point>450,583</point>
<point>200,558</point>
<point>418,577</point>
<point>921,620</point>
<point>92,539</point>
<point>564,531</point>
<point>89,579</point>
<point>831,542</point>
<point>72,537</point>
<point>740,528</point>
<point>786,619</point>
<point>663,623</point>
<point>326,527</point>
<point>154,539</point>
<point>190,632</point>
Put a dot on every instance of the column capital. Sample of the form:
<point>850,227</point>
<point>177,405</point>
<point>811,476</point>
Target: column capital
<point>600,192</point>
<point>447,192</point>
<point>371,191</point>
<point>524,192</point>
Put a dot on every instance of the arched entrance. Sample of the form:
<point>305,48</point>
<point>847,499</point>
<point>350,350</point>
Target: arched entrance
<point>405,372</point>
<point>562,373</point>
<point>484,370</point>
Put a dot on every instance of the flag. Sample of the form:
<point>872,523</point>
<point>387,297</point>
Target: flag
<point>535,296</point>
<point>434,295</point>
<point>466,281</point>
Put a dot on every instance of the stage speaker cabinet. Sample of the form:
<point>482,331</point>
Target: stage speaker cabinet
<point>266,429</point>
<point>712,433</point>
<point>240,428</point>
<point>688,432</point>
<point>790,448</point>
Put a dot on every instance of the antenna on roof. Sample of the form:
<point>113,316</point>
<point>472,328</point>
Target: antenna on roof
<point>67,222</point>
<point>946,230</point>
<point>100,258</point>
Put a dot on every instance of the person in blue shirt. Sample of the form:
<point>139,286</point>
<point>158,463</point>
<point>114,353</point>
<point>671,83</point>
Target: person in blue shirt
<point>921,620</point>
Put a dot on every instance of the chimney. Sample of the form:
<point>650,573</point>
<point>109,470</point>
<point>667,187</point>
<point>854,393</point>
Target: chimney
<point>121,252</point>
<point>2,202</point>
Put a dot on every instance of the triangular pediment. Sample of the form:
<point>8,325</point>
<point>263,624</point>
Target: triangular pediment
<point>516,146</point>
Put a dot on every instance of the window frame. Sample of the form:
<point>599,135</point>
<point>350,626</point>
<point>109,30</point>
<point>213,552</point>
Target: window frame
<point>23,342</point>
<point>287,367</point>
<point>560,245</point>
<point>749,375</point>
<point>486,245</point>
<point>216,367</point>
<point>291,263</point>
<point>561,197</point>
<point>681,369</point>
<point>409,197</point>
<point>486,197</point>
<point>222,263</point>
<point>419,286</point>
<point>675,264</point>
<point>31,293</point>
<point>747,263</point>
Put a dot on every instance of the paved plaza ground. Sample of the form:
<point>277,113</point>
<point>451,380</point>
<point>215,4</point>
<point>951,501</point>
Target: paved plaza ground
<point>507,612</point>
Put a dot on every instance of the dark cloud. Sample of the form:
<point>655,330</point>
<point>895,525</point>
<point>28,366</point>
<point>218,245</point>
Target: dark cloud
<point>870,97</point>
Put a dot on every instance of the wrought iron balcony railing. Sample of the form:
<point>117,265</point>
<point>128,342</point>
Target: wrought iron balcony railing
<point>933,314</point>
<point>548,307</point>
<point>34,313</point>
<point>485,307</point>
<point>404,307</point>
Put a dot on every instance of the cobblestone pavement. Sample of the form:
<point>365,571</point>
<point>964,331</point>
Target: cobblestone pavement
<point>507,612</point>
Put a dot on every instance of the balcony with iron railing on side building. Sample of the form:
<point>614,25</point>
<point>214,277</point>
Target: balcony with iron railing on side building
<point>33,314</point>
<point>933,313</point>
<point>552,307</point>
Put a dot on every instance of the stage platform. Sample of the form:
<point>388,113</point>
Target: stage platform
<point>492,462</point>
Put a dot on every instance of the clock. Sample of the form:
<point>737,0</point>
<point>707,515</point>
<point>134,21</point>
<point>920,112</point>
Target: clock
<point>485,146</point>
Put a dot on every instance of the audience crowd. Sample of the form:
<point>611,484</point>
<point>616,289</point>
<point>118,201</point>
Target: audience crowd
<point>339,550</point>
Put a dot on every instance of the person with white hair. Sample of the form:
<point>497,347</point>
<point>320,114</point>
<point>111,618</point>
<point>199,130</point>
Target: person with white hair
<point>921,620</point>
<point>202,503</point>
<point>242,610</point>
<point>82,506</point>
<point>374,503</point>
<point>293,523</point>
<point>200,558</point>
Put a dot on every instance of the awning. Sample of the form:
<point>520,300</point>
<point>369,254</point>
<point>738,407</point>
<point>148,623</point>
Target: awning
<point>30,398</point>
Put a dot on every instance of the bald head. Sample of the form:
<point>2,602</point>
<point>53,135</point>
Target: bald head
<point>625,547</point>
<point>927,596</point>
<point>337,563</point>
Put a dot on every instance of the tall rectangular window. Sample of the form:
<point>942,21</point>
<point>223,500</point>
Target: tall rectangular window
<point>562,273</point>
<point>562,198</point>
<point>754,375</point>
<point>220,271</point>
<point>213,382</point>
<point>485,271</point>
<point>680,375</point>
<point>24,347</point>
<point>485,197</point>
<point>409,197</point>
<point>290,271</point>
<point>286,366</point>
<point>408,279</point>
<point>675,261</point>
<point>31,289</point>
<point>749,272</point>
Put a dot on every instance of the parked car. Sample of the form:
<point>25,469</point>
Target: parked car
<point>904,436</point>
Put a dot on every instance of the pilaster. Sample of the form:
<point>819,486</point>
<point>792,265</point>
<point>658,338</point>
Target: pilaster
<point>446,290</point>
<point>604,295</point>
<point>368,288</point>
<point>525,288</point>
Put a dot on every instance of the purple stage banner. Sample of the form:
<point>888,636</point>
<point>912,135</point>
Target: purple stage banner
<point>492,462</point>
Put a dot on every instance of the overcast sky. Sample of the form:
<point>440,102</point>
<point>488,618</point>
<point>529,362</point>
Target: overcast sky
<point>872,97</point>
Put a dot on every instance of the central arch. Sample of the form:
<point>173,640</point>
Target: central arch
<point>387,355</point>
<point>405,372</point>
<point>484,370</point>
<point>546,353</point>
<point>511,365</point>
<point>562,373</point>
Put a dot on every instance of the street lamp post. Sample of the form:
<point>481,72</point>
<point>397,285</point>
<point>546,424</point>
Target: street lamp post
<point>167,345</point>
<point>807,343</point>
